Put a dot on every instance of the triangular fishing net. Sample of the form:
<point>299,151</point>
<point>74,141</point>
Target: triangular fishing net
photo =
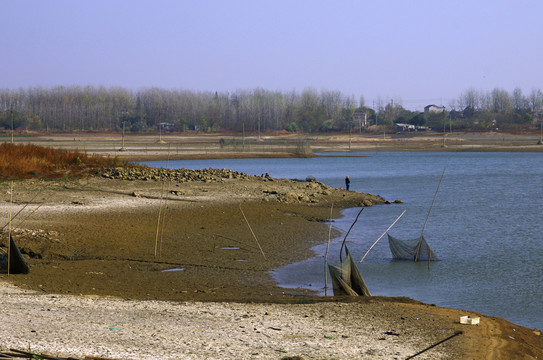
<point>346,278</point>
<point>407,249</point>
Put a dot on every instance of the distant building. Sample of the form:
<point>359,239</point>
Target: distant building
<point>434,109</point>
<point>405,127</point>
<point>360,118</point>
<point>166,126</point>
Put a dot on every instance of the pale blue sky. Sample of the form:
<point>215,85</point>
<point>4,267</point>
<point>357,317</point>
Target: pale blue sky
<point>419,52</point>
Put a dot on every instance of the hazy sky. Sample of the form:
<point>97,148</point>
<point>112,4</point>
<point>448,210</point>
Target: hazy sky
<point>416,52</point>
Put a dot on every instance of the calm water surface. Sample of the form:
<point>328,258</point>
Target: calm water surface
<point>486,226</point>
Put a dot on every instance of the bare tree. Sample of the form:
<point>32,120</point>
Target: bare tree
<point>501,101</point>
<point>535,99</point>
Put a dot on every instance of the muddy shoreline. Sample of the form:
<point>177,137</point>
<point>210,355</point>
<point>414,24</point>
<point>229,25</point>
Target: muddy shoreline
<point>113,237</point>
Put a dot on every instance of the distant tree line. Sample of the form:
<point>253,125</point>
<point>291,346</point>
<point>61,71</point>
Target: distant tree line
<point>476,109</point>
<point>74,108</point>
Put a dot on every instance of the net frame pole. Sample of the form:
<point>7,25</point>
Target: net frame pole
<point>427,217</point>
<point>398,218</point>
<point>345,238</point>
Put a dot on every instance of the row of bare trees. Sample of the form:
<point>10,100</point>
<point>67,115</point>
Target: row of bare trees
<point>99,108</point>
<point>68,108</point>
<point>498,100</point>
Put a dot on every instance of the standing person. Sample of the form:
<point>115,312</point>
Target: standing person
<point>347,182</point>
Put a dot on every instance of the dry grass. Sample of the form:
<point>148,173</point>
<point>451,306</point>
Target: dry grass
<point>30,161</point>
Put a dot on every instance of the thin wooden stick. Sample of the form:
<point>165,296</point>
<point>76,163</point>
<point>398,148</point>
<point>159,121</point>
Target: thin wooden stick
<point>345,238</point>
<point>160,207</point>
<point>165,205</point>
<point>24,207</point>
<point>326,253</point>
<point>252,232</point>
<point>36,209</point>
<point>9,231</point>
<point>158,220</point>
<point>237,241</point>
<point>427,217</point>
<point>32,212</point>
<point>398,218</point>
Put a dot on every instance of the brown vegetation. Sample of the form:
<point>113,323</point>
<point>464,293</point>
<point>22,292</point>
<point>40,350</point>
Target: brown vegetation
<point>28,161</point>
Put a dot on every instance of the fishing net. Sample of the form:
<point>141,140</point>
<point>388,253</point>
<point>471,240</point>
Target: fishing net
<point>407,249</point>
<point>346,278</point>
<point>17,263</point>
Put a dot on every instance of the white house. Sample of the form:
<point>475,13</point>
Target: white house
<point>434,109</point>
<point>405,127</point>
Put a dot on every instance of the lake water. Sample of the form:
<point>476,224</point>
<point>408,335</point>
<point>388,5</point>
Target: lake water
<point>486,226</point>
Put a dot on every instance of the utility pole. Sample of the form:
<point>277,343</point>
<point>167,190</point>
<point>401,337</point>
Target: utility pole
<point>350,130</point>
<point>375,111</point>
<point>540,131</point>
<point>123,114</point>
<point>443,134</point>
<point>122,143</point>
<point>11,113</point>
<point>243,134</point>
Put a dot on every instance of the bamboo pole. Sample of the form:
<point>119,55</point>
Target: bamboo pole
<point>36,209</point>
<point>11,217</point>
<point>345,238</point>
<point>252,232</point>
<point>24,207</point>
<point>427,217</point>
<point>165,205</point>
<point>9,229</point>
<point>398,218</point>
<point>326,253</point>
<point>158,219</point>
<point>158,227</point>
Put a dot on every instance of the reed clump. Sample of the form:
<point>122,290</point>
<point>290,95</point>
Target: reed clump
<point>30,161</point>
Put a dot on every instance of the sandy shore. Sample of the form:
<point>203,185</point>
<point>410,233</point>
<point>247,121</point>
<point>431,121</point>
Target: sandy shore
<point>127,329</point>
<point>97,285</point>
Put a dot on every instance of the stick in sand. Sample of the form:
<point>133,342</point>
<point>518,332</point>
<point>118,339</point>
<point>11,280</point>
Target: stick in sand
<point>36,209</point>
<point>326,254</point>
<point>158,219</point>
<point>24,207</point>
<point>252,232</point>
<point>165,206</point>
<point>9,232</point>
<point>398,218</point>
<point>160,209</point>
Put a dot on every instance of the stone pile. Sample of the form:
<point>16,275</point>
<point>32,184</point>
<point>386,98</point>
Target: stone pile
<point>175,175</point>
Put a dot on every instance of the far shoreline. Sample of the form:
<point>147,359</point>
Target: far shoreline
<point>198,146</point>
